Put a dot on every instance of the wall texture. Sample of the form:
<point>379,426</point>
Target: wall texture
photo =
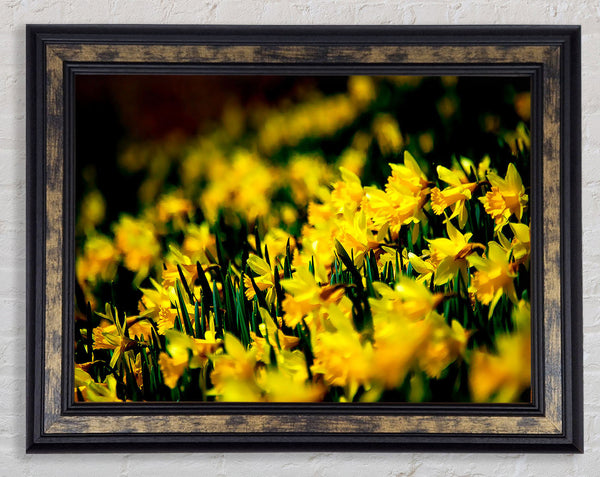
<point>14,14</point>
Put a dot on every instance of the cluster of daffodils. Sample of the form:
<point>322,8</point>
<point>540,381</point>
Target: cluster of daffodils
<point>297,282</point>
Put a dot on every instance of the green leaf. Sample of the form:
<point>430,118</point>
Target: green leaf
<point>197,326</point>
<point>229,304</point>
<point>220,251</point>
<point>185,284</point>
<point>257,240</point>
<point>373,266</point>
<point>206,291</point>
<point>185,317</point>
<point>278,291</point>
<point>219,328</point>
<point>259,294</point>
<point>288,252</point>
<point>287,269</point>
<point>256,318</point>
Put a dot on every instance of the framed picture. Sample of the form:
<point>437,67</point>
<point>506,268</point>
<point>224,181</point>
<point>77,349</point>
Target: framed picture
<point>293,238</point>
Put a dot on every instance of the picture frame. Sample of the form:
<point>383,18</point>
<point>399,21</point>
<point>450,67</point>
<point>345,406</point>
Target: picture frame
<point>548,55</point>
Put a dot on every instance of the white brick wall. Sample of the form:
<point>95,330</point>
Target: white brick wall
<point>14,14</point>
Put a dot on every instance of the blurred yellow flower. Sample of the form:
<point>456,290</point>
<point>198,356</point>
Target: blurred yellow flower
<point>99,260</point>
<point>523,105</point>
<point>93,391</point>
<point>504,375</point>
<point>283,387</point>
<point>396,348</point>
<point>173,207</point>
<point>494,276</point>
<point>308,176</point>
<point>353,160</point>
<point>170,273</point>
<point>426,142</point>
<point>93,209</point>
<point>341,355</point>
<point>275,241</point>
<point>348,193</point>
<point>317,117</point>
<point>197,240</point>
<point>184,352</point>
<point>136,240</point>
<point>272,337</point>
<point>305,298</point>
<point>233,375</point>
<point>387,134</point>
<point>444,346</point>
<point>243,186</point>
<point>408,299</point>
<point>362,89</point>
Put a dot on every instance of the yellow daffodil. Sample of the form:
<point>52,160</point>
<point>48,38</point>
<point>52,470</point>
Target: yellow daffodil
<point>448,256</point>
<point>494,276</point>
<point>136,240</point>
<point>362,89</point>
<point>405,193</point>
<point>93,209</point>
<point>93,391</point>
<point>156,303</point>
<point>424,268</point>
<point>272,337</point>
<point>504,375</point>
<point>357,237</point>
<point>305,298</point>
<point>264,281</point>
<point>521,243</point>
<point>408,298</point>
<point>275,241</point>
<point>397,342</point>
<point>233,375</point>
<point>341,355</point>
<point>184,352</point>
<point>173,207</point>
<point>455,196</point>
<point>506,198</point>
<point>197,240</point>
<point>99,260</point>
<point>348,193</point>
<point>117,337</point>
<point>282,387</point>
<point>408,178</point>
<point>444,346</point>
<point>388,135</point>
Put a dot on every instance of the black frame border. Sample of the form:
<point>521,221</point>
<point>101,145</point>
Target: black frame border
<point>38,36</point>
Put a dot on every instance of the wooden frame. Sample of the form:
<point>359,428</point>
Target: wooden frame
<point>550,56</point>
